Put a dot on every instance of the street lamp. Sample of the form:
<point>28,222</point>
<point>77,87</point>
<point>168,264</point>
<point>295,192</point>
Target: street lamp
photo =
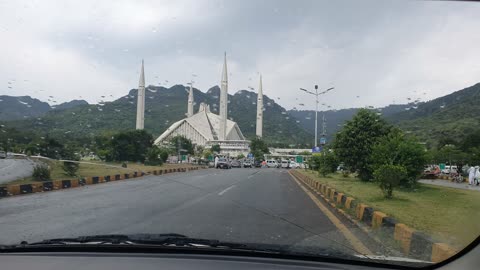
<point>316,94</point>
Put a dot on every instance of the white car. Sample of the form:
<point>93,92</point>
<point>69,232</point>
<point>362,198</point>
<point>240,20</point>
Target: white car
<point>285,164</point>
<point>272,163</point>
<point>294,165</point>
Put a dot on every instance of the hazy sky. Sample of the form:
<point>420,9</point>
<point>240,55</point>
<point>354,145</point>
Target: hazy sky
<point>381,51</point>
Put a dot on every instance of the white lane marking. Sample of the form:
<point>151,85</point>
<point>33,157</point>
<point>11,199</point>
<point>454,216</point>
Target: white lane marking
<point>225,190</point>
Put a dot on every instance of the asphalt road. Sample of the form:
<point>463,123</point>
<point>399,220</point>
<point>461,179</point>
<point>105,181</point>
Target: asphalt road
<point>12,169</point>
<point>241,205</point>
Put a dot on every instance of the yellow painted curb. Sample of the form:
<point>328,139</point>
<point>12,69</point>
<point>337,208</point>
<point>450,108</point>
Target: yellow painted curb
<point>332,194</point>
<point>88,181</point>
<point>377,219</point>
<point>37,187</point>
<point>13,189</point>
<point>348,202</point>
<point>403,233</point>
<point>359,211</point>
<point>441,252</point>
<point>57,184</point>
<point>339,198</point>
<point>74,183</point>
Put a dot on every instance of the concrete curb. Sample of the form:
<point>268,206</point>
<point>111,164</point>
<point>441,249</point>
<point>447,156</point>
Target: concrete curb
<point>36,187</point>
<point>412,243</point>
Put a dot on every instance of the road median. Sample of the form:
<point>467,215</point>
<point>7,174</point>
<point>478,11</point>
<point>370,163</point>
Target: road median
<point>380,225</point>
<point>9,190</point>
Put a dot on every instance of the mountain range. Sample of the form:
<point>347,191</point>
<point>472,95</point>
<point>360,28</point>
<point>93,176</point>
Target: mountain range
<point>453,115</point>
<point>164,106</point>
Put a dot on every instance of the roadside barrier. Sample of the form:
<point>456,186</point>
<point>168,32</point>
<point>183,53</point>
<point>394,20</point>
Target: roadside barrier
<point>36,187</point>
<point>413,243</point>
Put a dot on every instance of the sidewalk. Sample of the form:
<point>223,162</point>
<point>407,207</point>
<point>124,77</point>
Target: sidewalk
<point>446,183</point>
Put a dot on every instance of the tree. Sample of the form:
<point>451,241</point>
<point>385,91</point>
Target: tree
<point>70,167</point>
<point>259,148</point>
<point>130,145</point>
<point>41,172</point>
<point>240,156</point>
<point>388,177</point>
<point>328,163</point>
<point>207,153</point>
<point>305,153</point>
<point>450,154</point>
<point>353,144</point>
<point>325,162</point>
<point>215,148</point>
<point>153,157</point>
<point>398,149</point>
<point>51,148</point>
<point>183,144</point>
<point>164,154</point>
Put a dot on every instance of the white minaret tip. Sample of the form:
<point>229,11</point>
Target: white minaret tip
<point>259,128</point>
<point>142,77</point>
<point>223,101</point>
<point>190,101</point>
<point>141,100</point>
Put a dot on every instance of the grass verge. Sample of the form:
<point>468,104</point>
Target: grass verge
<point>97,168</point>
<point>445,213</point>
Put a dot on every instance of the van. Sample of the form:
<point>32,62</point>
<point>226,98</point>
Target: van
<point>272,163</point>
<point>285,164</point>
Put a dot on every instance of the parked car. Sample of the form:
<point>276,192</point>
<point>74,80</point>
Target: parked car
<point>294,165</point>
<point>235,164</point>
<point>223,163</point>
<point>272,163</point>
<point>449,169</point>
<point>257,163</point>
<point>247,164</point>
<point>285,164</point>
<point>3,155</point>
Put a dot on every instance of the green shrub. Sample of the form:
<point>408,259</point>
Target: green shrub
<point>70,168</point>
<point>398,149</point>
<point>153,157</point>
<point>388,177</point>
<point>41,172</point>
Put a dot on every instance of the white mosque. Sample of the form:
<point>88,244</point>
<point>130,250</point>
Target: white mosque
<point>205,128</point>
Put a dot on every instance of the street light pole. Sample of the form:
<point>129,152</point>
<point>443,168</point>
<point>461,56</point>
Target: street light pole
<point>316,115</point>
<point>316,94</point>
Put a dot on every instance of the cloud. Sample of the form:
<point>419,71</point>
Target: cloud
<point>379,50</point>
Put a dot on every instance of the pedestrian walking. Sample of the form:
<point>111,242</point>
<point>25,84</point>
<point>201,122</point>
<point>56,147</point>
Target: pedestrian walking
<point>477,175</point>
<point>471,175</point>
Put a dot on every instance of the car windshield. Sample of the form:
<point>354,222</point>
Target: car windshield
<point>344,129</point>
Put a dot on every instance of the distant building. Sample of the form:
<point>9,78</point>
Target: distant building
<point>205,128</point>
